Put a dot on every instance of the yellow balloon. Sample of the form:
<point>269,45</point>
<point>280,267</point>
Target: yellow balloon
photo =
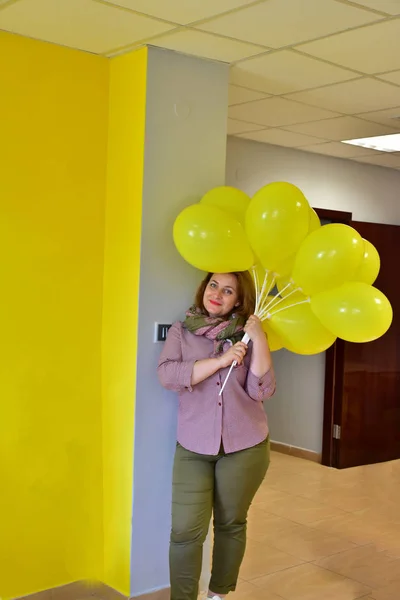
<point>327,258</point>
<point>274,341</point>
<point>284,267</point>
<point>314,222</point>
<point>370,265</point>
<point>230,200</point>
<point>298,328</point>
<point>211,240</point>
<point>277,221</point>
<point>355,311</point>
<point>286,286</point>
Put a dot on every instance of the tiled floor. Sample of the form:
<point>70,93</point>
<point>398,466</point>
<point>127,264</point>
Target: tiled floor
<point>321,534</point>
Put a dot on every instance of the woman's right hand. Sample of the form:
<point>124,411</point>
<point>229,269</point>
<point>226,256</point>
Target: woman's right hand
<point>235,353</point>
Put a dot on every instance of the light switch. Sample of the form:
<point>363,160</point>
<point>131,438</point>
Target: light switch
<point>161,331</point>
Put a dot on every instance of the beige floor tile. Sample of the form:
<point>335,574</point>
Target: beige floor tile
<point>308,544</point>
<point>79,589</point>
<point>346,498</point>
<point>350,527</point>
<point>262,559</point>
<point>389,542</point>
<point>256,595</point>
<point>366,565</point>
<point>248,591</point>
<point>391,592</point>
<point>347,521</point>
<point>309,582</point>
<point>268,495</point>
<point>386,511</point>
<point>244,586</point>
<point>263,525</point>
<point>302,510</point>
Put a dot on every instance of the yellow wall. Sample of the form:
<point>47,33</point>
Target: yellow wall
<point>53,131</point>
<point>120,306</point>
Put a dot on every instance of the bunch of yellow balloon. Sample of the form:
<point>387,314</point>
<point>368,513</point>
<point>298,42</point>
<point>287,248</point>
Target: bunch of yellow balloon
<point>329,293</point>
<point>278,220</point>
<point>323,274</point>
<point>210,235</point>
<point>336,268</point>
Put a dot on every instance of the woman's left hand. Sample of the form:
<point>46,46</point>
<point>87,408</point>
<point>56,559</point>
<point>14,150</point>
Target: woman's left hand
<point>254,329</point>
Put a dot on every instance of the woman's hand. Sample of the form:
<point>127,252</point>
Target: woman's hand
<point>236,352</point>
<point>254,329</point>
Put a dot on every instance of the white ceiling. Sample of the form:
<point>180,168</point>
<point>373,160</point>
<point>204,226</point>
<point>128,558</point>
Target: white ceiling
<point>305,73</point>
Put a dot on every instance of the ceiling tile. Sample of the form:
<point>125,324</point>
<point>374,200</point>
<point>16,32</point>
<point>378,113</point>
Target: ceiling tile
<point>343,128</point>
<point>383,160</point>
<point>277,23</point>
<point>393,77</point>
<point>390,7</point>
<point>203,44</point>
<point>389,117</point>
<point>277,112</point>
<point>240,95</point>
<point>279,137</point>
<point>79,24</point>
<point>351,97</point>
<point>235,127</point>
<point>239,75</point>
<point>372,49</point>
<point>339,150</point>
<point>287,71</point>
<point>180,12</point>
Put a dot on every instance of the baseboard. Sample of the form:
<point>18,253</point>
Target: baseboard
<point>80,590</point>
<point>297,452</point>
<point>163,594</point>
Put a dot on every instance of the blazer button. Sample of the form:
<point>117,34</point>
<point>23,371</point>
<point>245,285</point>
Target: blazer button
<point>217,382</point>
<point>220,403</point>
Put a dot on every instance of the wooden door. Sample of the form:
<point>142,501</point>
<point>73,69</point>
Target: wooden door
<point>362,381</point>
<point>368,394</point>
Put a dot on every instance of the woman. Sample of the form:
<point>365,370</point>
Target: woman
<point>222,453</point>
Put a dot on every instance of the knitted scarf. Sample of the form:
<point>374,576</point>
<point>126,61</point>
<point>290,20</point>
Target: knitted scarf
<point>217,329</point>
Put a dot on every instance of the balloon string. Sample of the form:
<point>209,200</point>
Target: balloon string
<point>290,306</point>
<point>277,300</point>
<point>256,283</point>
<point>274,298</point>
<point>286,287</point>
<point>258,308</point>
<point>263,297</point>
<point>261,294</point>
<point>245,340</point>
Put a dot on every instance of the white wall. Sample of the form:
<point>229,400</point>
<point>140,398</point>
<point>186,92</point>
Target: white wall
<point>372,194</point>
<point>186,117</point>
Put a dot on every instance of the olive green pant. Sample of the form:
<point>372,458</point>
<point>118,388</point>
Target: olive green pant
<point>225,484</point>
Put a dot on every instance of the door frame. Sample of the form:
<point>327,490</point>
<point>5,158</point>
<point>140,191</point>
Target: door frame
<point>334,372</point>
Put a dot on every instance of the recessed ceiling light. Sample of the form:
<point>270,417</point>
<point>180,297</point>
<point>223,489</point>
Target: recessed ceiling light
<point>381,143</point>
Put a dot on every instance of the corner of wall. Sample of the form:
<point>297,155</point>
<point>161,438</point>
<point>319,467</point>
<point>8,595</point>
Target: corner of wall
<point>127,112</point>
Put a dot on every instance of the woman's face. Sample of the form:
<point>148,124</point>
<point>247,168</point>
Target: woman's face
<point>221,295</point>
